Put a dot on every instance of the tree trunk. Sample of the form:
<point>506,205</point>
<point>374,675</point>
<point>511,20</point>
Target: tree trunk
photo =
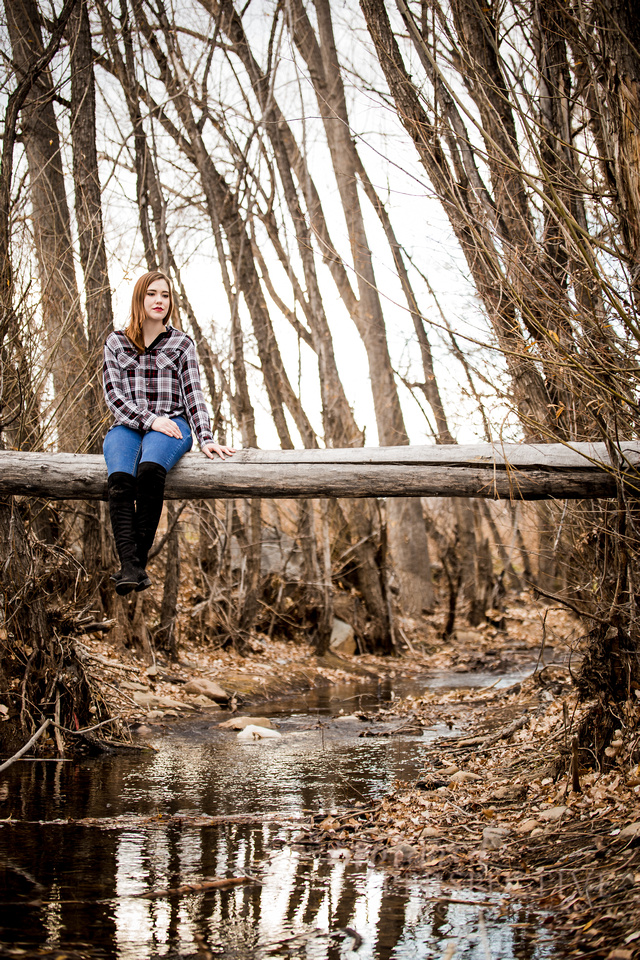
<point>616,112</point>
<point>325,626</point>
<point>66,341</point>
<point>165,637</point>
<point>461,206</point>
<point>511,472</point>
<point>340,426</point>
<point>93,254</point>
<point>405,524</point>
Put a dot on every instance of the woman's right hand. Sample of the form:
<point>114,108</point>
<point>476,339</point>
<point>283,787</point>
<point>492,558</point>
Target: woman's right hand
<point>167,426</point>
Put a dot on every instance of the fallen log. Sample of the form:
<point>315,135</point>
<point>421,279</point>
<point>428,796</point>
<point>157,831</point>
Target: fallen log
<point>490,471</point>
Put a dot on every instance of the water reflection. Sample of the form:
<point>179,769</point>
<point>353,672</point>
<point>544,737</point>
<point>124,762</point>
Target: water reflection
<point>64,884</point>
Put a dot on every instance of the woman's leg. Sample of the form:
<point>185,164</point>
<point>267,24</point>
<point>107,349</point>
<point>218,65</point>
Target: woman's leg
<point>122,448</point>
<point>159,454</point>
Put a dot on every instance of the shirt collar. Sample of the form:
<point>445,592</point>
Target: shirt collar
<point>158,340</point>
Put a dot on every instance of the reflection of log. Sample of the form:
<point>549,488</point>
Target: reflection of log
<point>507,471</point>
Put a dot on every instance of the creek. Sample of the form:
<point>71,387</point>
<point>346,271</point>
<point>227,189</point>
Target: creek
<point>82,842</point>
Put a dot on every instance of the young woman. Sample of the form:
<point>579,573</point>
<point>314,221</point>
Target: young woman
<point>152,387</point>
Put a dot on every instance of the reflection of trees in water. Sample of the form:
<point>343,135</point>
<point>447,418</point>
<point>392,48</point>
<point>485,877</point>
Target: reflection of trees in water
<point>299,895</point>
<point>93,879</point>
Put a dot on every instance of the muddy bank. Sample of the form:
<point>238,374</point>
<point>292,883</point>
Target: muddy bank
<point>499,806</point>
<point>134,691</point>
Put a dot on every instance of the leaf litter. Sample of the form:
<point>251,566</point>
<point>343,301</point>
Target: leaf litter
<point>500,807</point>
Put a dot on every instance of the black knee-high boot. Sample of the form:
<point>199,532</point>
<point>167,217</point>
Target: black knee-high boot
<point>149,501</point>
<point>122,491</point>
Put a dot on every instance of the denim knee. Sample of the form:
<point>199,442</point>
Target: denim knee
<point>167,451</point>
<point>122,447</point>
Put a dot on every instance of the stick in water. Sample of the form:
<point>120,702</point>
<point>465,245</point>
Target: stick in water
<point>24,749</point>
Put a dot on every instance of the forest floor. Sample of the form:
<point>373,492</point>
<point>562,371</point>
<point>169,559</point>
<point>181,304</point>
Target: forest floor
<point>495,809</point>
<point>269,668</point>
<point>499,805</point>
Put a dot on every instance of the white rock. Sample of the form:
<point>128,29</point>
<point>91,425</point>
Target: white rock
<point>142,731</point>
<point>252,732</point>
<point>342,637</point>
<point>152,702</point>
<point>528,825</point>
<point>631,831</point>
<point>553,813</point>
<point>465,776</point>
<point>208,688</point>
<point>493,838</point>
<point>239,723</point>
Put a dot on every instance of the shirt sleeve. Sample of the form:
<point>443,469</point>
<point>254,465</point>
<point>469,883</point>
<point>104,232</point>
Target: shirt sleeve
<point>123,408</point>
<point>194,397</point>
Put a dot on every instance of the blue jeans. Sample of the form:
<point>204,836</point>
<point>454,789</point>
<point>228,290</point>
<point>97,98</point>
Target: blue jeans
<point>125,449</point>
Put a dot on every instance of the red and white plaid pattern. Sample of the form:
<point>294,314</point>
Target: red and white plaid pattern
<point>164,381</point>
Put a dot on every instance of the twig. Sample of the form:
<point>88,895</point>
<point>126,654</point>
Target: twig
<point>159,546</point>
<point>98,626</point>
<point>406,640</point>
<point>199,887</point>
<point>56,725</point>
<point>567,603</point>
<point>44,760</point>
<point>24,749</point>
<point>542,642</point>
<point>503,734</point>
<point>85,652</point>
<point>490,687</point>
<point>78,733</point>
<point>119,694</point>
<point>575,767</point>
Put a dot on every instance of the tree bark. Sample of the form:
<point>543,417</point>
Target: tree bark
<point>405,525</point>
<point>511,471</point>
<point>165,636</point>
<point>462,206</point>
<point>616,112</point>
<point>93,255</point>
<point>66,341</point>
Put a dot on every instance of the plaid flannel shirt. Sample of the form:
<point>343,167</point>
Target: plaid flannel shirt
<point>164,381</point>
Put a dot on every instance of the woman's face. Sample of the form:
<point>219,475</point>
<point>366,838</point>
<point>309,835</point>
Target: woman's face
<point>157,300</point>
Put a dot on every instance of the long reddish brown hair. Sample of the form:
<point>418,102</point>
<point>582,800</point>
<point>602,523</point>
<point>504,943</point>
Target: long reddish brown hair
<point>134,329</point>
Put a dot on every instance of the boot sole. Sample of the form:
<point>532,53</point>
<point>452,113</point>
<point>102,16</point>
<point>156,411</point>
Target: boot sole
<point>143,585</point>
<point>124,587</point>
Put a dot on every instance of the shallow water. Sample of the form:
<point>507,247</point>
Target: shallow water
<point>148,824</point>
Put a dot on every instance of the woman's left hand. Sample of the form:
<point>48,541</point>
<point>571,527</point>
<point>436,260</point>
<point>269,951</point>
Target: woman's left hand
<point>223,452</point>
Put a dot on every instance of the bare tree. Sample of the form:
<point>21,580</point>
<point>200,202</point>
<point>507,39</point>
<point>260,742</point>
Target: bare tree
<point>66,339</point>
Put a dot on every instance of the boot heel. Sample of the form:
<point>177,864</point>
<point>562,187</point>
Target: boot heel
<point>144,582</point>
<point>129,579</point>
